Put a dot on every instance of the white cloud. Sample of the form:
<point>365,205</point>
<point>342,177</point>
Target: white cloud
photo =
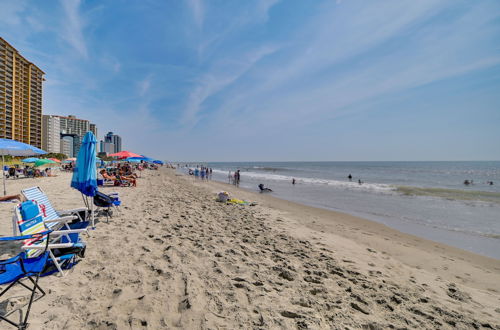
<point>198,11</point>
<point>73,30</point>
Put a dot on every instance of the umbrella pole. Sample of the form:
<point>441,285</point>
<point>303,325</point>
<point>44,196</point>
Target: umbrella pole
<point>3,176</point>
<point>92,213</point>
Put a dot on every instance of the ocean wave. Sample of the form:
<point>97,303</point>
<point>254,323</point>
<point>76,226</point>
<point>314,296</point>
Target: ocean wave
<point>334,183</point>
<point>453,194</point>
<point>446,193</point>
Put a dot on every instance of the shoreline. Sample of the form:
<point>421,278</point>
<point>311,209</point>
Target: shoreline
<point>440,220</point>
<point>173,257</point>
<point>370,233</point>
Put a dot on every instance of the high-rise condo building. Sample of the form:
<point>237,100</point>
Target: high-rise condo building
<point>114,140</point>
<point>20,97</point>
<point>74,129</point>
<point>51,133</point>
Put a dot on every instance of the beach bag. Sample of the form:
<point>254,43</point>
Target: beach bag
<point>102,200</point>
<point>222,197</point>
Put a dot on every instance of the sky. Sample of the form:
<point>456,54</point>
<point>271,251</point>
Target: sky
<point>270,80</point>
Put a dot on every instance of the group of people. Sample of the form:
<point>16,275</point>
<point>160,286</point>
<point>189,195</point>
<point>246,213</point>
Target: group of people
<point>28,172</point>
<point>203,173</point>
<point>121,175</point>
<point>234,178</point>
<point>471,182</point>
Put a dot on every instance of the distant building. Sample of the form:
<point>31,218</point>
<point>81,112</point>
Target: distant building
<point>20,97</point>
<point>75,128</point>
<point>51,133</point>
<point>111,144</point>
<point>93,129</point>
<point>107,147</point>
<point>67,146</point>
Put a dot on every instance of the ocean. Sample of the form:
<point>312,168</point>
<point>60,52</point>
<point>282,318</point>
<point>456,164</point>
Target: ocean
<point>426,199</point>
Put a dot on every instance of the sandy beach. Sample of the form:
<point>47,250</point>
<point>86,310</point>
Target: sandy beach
<point>173,257</point>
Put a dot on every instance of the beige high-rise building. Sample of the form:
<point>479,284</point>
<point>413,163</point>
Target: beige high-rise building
<point>20,97</point>
<point>51,133</point>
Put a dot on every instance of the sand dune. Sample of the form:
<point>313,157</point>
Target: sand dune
<point>175,258</point>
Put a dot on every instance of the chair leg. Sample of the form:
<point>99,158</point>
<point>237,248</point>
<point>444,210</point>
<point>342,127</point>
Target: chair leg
<point>35,286</point>
<point>23,323</point>
<point>54,260</point>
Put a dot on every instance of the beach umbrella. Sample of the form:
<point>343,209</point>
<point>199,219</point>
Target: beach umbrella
<point>125,154</point>
<point>44,162</point>
<point>55,159</point>
<point>158,162</point>
<point>29,160</point>
<point>134,159</point>
<point>16,148</point>
<point>85,172</point>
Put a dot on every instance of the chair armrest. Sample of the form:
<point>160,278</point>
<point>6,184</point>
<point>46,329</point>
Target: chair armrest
<point>69,231</point>
<point>62,219</point>
<point>51,246</point>
<point>67,212</point>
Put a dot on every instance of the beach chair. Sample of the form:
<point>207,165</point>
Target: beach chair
<point>50,215</point>
<point>21,269</point>
<point>65,246</point>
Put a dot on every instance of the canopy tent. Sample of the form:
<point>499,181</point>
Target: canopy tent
<point>16,148</point>
<point>125,154</point>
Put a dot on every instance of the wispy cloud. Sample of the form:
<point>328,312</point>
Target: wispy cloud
<point>198,11</point>
<point>73,31</point>
<point>222,75</point>
<point>144,85</point>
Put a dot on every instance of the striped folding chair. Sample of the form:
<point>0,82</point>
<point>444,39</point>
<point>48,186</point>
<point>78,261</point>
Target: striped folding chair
<point>51,217</point>
<point>64,245</point>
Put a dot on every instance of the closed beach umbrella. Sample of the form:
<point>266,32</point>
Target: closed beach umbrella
<point>29,160</point>
<point>16,148</point>
<point>44,162</point>
<point>85,171</point>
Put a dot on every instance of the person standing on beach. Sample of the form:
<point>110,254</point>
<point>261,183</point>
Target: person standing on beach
<point>196,172</point>
<point>229,177</point>
<point>202,173</point>
<point>293,181</point>
<point>237,178</point>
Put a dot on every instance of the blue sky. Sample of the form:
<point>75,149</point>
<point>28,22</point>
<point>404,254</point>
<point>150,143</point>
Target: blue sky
<point>272,80</point>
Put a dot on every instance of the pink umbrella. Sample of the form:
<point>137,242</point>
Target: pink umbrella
<point>124,154</point>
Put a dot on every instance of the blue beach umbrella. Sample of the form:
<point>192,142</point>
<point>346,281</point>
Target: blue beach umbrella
<point>30,160</point>
<point>134,159</point>
<point>158,162</point>
<point>85,171</point>
<point>16,148</point>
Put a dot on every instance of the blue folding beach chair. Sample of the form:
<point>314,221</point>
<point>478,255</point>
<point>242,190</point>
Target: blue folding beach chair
<point>21,269</point>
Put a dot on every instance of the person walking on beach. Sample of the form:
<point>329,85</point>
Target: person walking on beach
<point>237,178</point>
<point>293,181</point>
